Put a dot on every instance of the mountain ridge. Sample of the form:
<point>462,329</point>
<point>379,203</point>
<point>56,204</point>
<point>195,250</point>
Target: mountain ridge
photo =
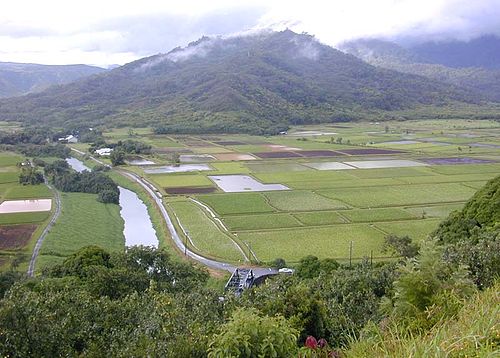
<point>268,80</point>
<point>22,78</point>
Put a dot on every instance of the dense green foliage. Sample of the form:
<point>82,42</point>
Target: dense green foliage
<point>249,335</point>
<point>31,176</point>
<point>34,142</point>
<point>258,84</point>
<point>143,303</point>
<point>93,182</point>
<point>480,214</point>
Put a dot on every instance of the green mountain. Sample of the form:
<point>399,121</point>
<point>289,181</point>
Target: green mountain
<point>256,84</point>
<point>429,60</point>
<point>17,79</point>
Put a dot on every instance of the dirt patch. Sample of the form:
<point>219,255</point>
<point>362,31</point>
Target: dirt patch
<point>234,156</point>
<point>319,153</point>
<point>229,142</point>
<point>15,236</point>
<point>369,151</point>
<point>277,155</point>
<point>197,143</point>
<point>453,161</point>
<point>190,190</point>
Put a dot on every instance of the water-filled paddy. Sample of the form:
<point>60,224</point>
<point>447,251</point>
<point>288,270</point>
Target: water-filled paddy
<point>24,206</point>
<point>373,164</point>
<point>182,168</point>
<point>243,183</point>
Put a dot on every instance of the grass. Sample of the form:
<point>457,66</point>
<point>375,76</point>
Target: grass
<point>331,184</point>
<point>260,221</point>
<point>401,195</point>
<point>173,180</point>
<point>390,172</point>
<point>8,159</point>
<point>84,221</point>
<point>205,234</point>
<point>237,203</point>
<point>473,332</point>
<point>19,191</point>
<point>23,218</point>
<point>320,218</point>
<point>9,177</point>
<point>382,214</point>
<point>230,168</point>
<point>435,211</point>
<point>301,201</point>
<point>467,169</point>
<point>331,241</point>
<point>416,229</point>
<point>276,167</point>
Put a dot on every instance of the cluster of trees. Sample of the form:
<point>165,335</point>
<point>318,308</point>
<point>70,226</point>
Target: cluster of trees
<point>30,176</point>
<point>34,142</point>
<point>145,303</point>
<point>95,182</point>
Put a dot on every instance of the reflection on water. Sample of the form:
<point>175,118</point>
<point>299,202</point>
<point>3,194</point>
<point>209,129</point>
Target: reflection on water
<point>77,165</point>
<point>138,226</point>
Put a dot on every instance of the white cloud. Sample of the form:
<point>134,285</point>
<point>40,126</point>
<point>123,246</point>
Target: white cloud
<point>106,32</point>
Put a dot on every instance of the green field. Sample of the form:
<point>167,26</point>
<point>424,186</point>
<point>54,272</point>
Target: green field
<point>331,241</point>
<point>207,237</point>
<point>325,210</point>
<point>84,221</point>
<point>261,221</point>
<point>237,203</point>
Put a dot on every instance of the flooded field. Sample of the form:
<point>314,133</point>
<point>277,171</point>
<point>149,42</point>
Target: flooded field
<point>329,166</point>
<point>138,228</point>
<point>25,206</point>
<point>376,164</point>
<point>196,158</point>
<point>140,162</point>
<point>77,165</point>
<point>183,168</point>
<point>243,183</point>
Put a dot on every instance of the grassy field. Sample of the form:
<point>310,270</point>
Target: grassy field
<point>11,223</point>
<point>237,203</point>
<point>206,236</point>
<point>83,221</point>
<point>331,241</point>
<point>327,209</point>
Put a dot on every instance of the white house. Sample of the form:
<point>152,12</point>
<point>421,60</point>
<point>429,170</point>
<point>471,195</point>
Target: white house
<point>68,139</point>
<point>104,152</point>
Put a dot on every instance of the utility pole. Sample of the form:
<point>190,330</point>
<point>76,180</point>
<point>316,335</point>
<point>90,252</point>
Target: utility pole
<point>350,254</point>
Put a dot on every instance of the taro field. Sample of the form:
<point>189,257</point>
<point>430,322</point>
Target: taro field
<point>329,191</point>
<point>24,212</point>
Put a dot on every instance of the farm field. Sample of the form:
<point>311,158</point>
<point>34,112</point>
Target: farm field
<point>20,223</point>
<point>347,185</point>
<point>83,221</point>
<point>351,184</point>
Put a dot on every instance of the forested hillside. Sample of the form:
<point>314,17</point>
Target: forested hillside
<point>258,83</point>
<point>467,65</point>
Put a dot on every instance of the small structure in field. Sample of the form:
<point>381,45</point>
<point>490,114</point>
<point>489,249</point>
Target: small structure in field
<point>68,139</point>
<point>104,152</point>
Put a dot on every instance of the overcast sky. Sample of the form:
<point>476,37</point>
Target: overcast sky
<point>109,32</point>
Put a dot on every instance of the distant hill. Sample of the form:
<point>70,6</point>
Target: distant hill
<point>21,78</point>
<point>256,84</point>
<point>483,52</point>
<point>471,65</point>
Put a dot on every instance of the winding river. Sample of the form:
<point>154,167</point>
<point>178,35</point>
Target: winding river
<point>138,228</point>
